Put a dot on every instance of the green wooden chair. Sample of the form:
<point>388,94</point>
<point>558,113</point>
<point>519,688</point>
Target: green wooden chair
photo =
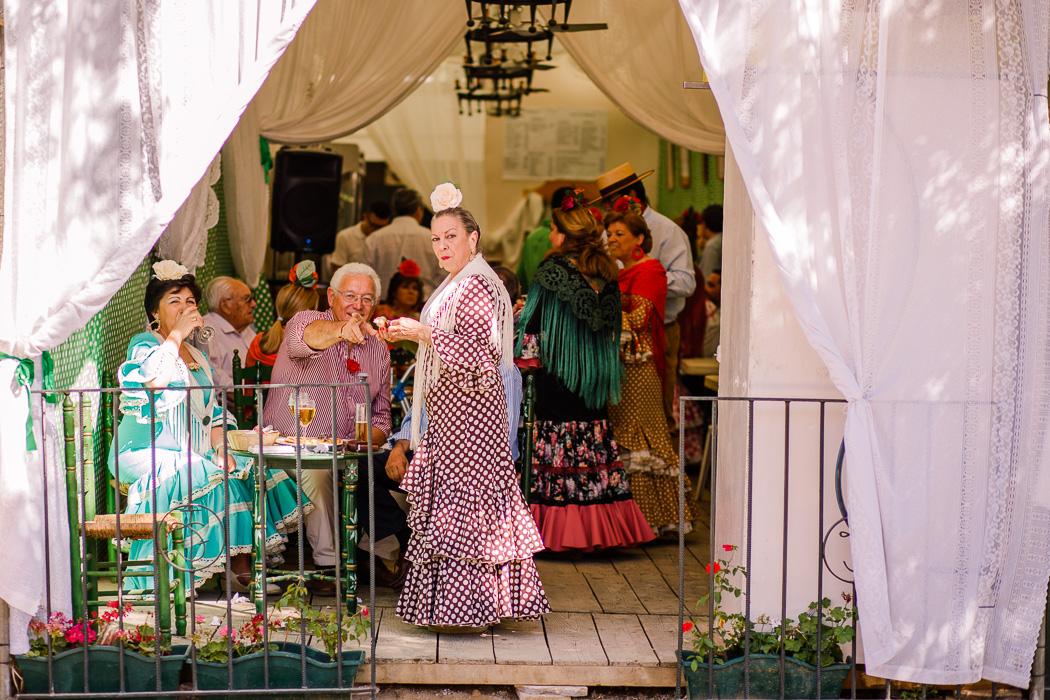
<point>87,528</point>
<point>243,406</point>
<point>526,439</point>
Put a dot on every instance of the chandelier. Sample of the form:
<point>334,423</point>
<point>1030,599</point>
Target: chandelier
<point>501,73</point>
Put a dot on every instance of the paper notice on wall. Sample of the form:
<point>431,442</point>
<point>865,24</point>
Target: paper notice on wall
<point>554,144</point>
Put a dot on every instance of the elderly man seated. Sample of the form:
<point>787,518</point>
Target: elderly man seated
<point>331,348</point>
<point>231,311</point>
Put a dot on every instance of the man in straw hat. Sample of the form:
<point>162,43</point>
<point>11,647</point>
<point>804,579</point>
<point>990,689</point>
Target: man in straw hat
<point>671,248</point>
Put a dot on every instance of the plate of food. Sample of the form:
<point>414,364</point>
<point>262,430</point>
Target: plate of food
<point>292,440</point>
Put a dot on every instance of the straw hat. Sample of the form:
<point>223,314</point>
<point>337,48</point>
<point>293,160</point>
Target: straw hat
<point>616,180</point>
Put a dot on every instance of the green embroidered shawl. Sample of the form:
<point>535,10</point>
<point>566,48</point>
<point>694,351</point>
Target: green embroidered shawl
<point>579,330</point>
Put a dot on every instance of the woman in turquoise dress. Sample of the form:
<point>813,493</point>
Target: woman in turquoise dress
<point>187,435</point>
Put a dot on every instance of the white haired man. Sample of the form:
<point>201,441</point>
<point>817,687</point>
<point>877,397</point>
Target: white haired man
<point>332,348</point>
<point>231,311</point>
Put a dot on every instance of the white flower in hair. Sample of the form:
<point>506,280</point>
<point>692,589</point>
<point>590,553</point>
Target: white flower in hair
<point>169,270</point>
<point>445,196</point>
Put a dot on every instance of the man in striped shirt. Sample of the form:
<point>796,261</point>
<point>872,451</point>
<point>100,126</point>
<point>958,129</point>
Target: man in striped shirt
<point>332,348</point>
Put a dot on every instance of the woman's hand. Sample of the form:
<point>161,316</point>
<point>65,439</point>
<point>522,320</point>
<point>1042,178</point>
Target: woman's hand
<point>188,319</point>
<point>406,328</point>
<point>223,459</point>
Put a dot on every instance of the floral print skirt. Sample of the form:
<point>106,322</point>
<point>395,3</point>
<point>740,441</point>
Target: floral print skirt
<point>580,497</point>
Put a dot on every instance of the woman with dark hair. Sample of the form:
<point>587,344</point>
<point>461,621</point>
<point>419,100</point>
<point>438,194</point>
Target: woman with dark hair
<point>638,419</point>
<point>570,327</point>
<point>300,294</point>
<point>404,294</point>
<point>171,444</point>
<point>472,537</point>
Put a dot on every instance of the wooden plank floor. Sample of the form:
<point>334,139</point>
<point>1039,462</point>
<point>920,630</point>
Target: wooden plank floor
<point>614,623</point>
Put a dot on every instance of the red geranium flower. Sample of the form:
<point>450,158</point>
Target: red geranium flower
<point>352,365</point>
<point>408,268</point>
<point>717,567</point>
<point>727,547</point>
<point>687,626</point>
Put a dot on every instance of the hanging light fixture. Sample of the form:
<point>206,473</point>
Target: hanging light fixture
<point>494,77</point>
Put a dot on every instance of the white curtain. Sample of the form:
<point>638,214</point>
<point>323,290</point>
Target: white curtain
<point>186,237</point>
<point>640,63</point>
<point>426,140</point>
<point>114,111</point>
<point>896,156</point>
<point>352,62</point>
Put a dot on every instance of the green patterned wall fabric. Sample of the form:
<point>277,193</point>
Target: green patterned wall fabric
<point>700,194</point>
<point>265,313</point>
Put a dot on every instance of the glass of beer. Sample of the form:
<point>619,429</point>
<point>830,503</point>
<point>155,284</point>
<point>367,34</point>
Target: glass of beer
<point>361,432</point>
<point>306,408</point>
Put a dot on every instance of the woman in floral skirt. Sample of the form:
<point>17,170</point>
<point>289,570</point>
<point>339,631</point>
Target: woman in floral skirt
<point>570,328</point>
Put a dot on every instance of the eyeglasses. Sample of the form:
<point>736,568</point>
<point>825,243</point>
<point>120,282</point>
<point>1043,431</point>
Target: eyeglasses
<point>351,298</point>
<point>247,299</point>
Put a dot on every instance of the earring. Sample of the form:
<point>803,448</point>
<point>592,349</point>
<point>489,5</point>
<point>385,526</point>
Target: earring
<point>154,324</point>
<point>637,253</point>
<point>473,253</point>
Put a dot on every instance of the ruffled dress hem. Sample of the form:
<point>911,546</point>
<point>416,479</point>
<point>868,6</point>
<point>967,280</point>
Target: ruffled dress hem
<point>590,528</point>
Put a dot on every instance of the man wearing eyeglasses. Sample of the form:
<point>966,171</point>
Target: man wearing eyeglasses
<point>334,347</point>
<point>231,310</point>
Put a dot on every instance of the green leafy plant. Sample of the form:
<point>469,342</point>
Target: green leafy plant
<point>223,640</point>
<point>102,629</point>
<point>325,626</point>
<point>797,638</point>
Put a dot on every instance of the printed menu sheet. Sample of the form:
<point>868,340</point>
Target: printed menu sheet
<point>554,144</point>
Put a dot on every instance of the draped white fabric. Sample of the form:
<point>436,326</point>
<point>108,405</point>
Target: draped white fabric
<point>114,111</point>
<point>351,63</point>
<point>426,140</point>
<point>640,63</point>
<point>186,237</point>
<point>896,156</point>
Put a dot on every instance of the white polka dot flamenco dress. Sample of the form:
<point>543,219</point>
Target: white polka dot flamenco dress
<point>473,537</point>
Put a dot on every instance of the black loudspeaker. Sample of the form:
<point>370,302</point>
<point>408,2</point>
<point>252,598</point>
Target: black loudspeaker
<point>305,212</point>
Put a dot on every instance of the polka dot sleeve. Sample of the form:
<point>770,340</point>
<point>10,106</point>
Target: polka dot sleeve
<point>468,357</point>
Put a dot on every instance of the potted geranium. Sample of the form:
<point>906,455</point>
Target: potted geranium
<point>65,645</point>
<point>254,656</point>
<point>722,653</point>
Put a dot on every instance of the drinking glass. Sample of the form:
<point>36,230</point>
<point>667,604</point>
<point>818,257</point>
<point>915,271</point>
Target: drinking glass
<point>306,410</point>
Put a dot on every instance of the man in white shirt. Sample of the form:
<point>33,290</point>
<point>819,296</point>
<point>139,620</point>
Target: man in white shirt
<point>671,248</point>
<point>231,310</point>
<point>404,239</point>
<point>350,242</point>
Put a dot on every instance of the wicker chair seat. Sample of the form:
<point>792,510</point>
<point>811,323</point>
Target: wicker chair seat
<point>134,527</point>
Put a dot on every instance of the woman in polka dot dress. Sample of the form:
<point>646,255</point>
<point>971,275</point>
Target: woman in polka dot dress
<point>638,419</point>
<point>472,535</point>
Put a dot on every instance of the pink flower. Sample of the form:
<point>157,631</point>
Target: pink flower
<point>445,196</point>
<point>224,630</point>
<point>200,619</point>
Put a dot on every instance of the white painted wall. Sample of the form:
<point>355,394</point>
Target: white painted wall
<point>765,354</point>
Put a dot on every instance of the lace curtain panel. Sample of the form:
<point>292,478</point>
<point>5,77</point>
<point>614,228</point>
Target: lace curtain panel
<point>896,156</point>
<point>348,66</point>
<point>114,111</point>
<point>642,71</point>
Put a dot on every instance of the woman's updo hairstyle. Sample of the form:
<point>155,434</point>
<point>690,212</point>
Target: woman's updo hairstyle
<point>583,243</point>
<point>634,223</point>
<point>156,289</point>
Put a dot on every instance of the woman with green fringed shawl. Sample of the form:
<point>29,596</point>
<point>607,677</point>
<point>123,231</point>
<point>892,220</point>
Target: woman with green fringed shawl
<point>570,329</point>
<point>638,419</point>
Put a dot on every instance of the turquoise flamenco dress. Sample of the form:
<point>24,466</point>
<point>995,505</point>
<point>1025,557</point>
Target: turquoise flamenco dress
<point>182,472</point>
